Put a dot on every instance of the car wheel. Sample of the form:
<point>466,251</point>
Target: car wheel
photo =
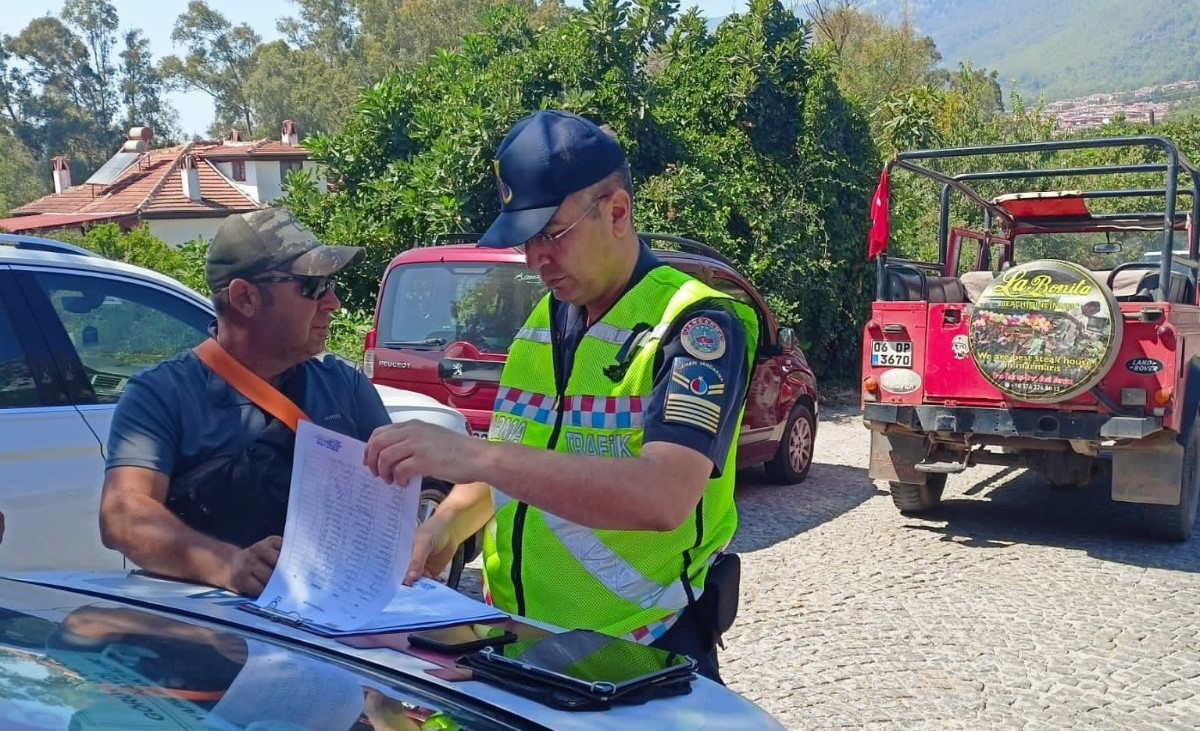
<point>431,498</point>
<point>912,499</point>
<point>794,455</point>
<point>1175,522</point>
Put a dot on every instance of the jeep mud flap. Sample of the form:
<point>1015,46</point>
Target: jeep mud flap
<point>1148,470</point>
<point>893,458</point>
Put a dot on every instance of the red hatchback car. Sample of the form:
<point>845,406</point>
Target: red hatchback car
<point>447,314</point>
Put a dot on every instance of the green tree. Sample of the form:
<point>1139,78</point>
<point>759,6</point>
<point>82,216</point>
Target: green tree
<point>95,21</point>
<point>874,59</point>
<point>142,88</point>
<point>55,107</point>
<point>62,92</point>
<point>219,60</point>
<point>21,177</point>
<point>14,89</point>
<point>330,28</point>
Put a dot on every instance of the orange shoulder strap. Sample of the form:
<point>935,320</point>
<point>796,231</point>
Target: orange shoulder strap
<point>264,395</point>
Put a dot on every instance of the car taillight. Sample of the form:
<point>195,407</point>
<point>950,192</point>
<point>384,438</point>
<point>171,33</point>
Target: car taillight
<point>1162,396</point>
<point>369,355</point>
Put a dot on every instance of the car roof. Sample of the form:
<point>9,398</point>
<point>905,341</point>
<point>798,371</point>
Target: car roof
<point>90,262</point>
<point>37,243</point>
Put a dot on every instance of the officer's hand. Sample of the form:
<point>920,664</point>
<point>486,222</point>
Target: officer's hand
<point>433,549</point>
<point>251,567</point>
<point>398,452</point>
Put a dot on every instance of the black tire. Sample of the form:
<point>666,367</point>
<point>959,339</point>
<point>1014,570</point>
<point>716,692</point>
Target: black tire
<point>912,499</point>
<point>1175,522</point>
<point>431,497</point>
<point>794,455</point>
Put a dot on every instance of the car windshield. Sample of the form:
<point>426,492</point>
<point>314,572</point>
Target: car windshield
<point>1095,250</point>
<point>113,667</point>
<point>432,305</point>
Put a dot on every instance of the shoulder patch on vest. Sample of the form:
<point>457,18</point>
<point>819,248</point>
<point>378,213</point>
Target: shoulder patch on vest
<point>695,395</point>
<point>703,338</point>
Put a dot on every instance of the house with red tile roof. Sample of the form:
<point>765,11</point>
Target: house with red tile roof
<point>181,193</point>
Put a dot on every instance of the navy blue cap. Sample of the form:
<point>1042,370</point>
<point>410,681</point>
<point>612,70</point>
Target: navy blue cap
<point>544,158</point>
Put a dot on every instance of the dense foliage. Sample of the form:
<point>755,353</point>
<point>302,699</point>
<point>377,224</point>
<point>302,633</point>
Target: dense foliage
<point>739,138</point>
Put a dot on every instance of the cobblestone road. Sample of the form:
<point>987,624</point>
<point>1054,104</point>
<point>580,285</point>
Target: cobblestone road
<point>1017,607</point>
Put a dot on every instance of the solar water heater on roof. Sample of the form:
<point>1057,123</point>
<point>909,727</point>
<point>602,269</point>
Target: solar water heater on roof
<point>112,169</point>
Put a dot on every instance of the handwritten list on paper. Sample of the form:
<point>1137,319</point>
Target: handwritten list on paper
<point>348,539</point>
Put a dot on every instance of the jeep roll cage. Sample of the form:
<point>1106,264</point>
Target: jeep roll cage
<point>1068,212</point>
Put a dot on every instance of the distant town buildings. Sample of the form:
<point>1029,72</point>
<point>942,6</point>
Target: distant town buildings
<point>1149,104</point>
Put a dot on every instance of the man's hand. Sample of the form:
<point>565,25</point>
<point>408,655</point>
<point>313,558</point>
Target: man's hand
<point>398,452</point>
<point>251,567</point>
<point>433,549</point>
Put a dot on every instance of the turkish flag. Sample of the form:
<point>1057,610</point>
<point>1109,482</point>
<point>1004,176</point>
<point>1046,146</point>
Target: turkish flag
<point>877,239</point>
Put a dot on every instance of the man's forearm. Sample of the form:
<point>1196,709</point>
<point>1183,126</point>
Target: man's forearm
<point>466,509</point>
<point>158,541</point>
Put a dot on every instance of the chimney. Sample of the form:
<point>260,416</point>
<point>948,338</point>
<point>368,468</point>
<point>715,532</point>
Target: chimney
<point>233,136</point>
<point>287,133</point>
<point>61,172</point>
<point>190,176</point>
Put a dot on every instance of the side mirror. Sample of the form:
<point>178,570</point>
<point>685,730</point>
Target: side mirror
<point>787,339</point>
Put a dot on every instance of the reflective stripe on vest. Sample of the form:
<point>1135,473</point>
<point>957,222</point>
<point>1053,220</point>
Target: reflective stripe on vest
<point>613,571</point>
<point>534,334</point>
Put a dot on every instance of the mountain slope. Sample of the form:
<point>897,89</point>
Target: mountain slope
<point>1063,48</point>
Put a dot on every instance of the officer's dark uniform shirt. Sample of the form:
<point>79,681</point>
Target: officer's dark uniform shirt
<point>730,368</point>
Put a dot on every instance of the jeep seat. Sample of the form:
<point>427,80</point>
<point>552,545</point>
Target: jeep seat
<point>975,283</point>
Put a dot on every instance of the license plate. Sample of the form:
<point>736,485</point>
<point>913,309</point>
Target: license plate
<point>892,353</point>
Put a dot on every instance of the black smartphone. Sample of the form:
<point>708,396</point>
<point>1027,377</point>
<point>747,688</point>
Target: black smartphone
<point>462,638</point>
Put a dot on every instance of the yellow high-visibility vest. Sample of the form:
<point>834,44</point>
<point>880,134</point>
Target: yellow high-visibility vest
<point>615,581</point>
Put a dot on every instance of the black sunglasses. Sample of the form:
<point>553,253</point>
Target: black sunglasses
<point>312,287</point>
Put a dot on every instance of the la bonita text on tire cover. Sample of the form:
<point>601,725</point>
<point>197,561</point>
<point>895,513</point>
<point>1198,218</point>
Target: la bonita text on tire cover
<point>1045,331</point>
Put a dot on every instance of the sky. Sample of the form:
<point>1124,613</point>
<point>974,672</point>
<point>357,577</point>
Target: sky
<point>156,18</point>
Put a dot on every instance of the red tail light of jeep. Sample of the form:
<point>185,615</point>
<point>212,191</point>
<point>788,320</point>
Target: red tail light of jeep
<point>368,357</point>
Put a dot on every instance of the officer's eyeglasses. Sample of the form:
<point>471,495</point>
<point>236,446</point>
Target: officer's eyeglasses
<point>544,238</point>
<point>314,288</point>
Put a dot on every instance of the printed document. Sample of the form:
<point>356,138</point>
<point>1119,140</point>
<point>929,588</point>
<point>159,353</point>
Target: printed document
<point>346,547</point>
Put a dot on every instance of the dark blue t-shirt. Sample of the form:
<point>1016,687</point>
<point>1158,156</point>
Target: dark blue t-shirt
<point>675,412</point>
<point>178,413</point>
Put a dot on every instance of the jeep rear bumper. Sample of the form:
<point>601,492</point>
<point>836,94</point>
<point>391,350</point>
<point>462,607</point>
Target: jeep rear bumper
<point>1028,423</point>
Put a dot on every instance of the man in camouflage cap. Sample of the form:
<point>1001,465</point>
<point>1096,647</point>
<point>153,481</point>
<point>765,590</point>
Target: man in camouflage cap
<point>197,474</point>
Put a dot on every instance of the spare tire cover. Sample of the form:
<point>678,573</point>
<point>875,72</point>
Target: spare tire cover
<point>1045,331</point>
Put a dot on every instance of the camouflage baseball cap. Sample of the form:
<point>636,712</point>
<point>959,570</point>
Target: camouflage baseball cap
<point>248,244</point>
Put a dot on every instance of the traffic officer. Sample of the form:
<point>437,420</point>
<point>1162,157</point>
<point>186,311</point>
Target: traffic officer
<point>609,469</point>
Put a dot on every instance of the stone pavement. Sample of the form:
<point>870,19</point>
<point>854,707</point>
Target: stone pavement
<point>1017,607</point>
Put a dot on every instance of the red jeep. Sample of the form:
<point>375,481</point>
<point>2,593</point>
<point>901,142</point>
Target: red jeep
<point>447,314</point>
<point>1058,330</point>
